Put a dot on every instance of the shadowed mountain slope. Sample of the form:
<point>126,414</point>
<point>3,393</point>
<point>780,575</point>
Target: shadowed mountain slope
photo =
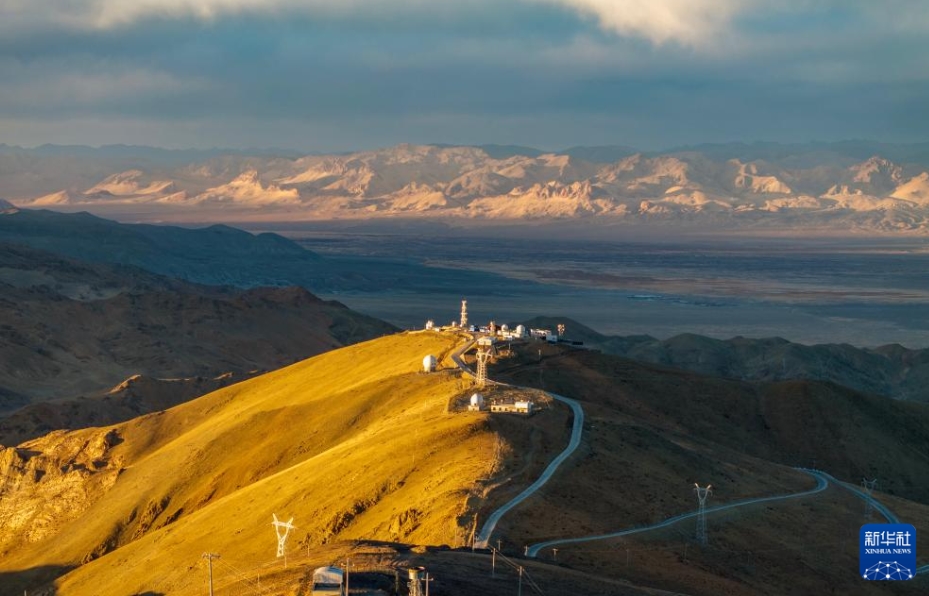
<point>891,370</point>
<point>222,255</point>
<point>71,328</point>
<point>652,432</point>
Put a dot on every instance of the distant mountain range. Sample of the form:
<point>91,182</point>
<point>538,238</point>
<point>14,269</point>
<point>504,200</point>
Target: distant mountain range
<point>851,187</point>
<point>223,255</point>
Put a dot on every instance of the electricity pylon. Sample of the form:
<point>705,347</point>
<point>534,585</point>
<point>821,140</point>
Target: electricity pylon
<point>279,526</point>
<point>702,494</point>
<point>483,356</point>
<point>209,557</point>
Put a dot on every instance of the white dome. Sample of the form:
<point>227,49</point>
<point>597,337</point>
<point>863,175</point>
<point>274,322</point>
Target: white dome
<point>521,330</point>
<point>477,400</point>
<point>429,363</point>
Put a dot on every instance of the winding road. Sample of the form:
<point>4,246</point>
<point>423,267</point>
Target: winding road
<point>483,537</point>
<point>822,483</point>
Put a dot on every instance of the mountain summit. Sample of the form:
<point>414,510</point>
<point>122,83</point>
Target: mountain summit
<point>794,191</point>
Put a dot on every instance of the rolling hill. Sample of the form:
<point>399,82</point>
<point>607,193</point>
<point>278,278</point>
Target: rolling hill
<point>354,443</point>
<point>223,255</point>
<point>653,432</point>
<point>368,453</point>
<point>72,328</point>
<point>891,370</point>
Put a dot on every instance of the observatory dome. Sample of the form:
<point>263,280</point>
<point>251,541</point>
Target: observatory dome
<point>429,363</point>
<point>477,400</point>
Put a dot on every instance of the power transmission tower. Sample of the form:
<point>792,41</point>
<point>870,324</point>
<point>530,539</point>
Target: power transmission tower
<point>209,558</point>
<point>483,356</point>
<point>280,527</point>
<point>702,494</point>
<point>868,486</point>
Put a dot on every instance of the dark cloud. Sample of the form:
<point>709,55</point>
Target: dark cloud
<point>516,72</point>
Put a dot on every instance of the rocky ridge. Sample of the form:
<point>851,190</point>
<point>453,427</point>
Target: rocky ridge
<point>690,187</point>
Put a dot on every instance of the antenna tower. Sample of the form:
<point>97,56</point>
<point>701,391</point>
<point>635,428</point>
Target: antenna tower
<point>702,494</point>
<point>868,486</point>
<point>282,529</point>
<point>464,315</point>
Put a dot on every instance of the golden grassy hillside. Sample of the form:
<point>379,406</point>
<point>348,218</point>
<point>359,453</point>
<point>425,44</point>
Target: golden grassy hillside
<point>354,443</point>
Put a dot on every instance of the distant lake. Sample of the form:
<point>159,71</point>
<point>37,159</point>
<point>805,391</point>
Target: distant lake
<point>865,293</point>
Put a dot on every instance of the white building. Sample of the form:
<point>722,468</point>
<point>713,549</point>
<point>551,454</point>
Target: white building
<point>523,407</point>
<point>429,363</point>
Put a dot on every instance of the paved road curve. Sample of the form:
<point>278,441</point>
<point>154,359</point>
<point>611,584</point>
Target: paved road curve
<point>483,537</point>
<point>881,508</point>
<point>822,482</point>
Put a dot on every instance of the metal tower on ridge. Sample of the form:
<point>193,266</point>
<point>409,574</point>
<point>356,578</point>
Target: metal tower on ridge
<point>281,538</point>
<point>464,315</point>
<point>702,494</point>
<point>483,355</point>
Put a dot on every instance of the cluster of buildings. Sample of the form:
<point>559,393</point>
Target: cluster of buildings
<point>487,338</point>
<point>509,406</point>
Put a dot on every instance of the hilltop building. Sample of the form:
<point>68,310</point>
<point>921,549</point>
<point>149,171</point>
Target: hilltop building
<point>524,407</point>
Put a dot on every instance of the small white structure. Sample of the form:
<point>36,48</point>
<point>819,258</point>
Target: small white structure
<point>521,331</point>
<point>429,363</point>
<point>477,403</point>
<point>486,341</point>
<point>327,580</point>
<point>514,407</point>
<point>430,325</point>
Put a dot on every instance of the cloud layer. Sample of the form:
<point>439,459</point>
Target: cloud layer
<point>696,23</point>
<point>318,74</point>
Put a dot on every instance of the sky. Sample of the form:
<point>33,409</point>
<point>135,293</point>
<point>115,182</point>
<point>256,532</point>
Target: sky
<point>339,75</point>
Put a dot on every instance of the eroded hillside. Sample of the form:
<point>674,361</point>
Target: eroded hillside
<point>356,443</point>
